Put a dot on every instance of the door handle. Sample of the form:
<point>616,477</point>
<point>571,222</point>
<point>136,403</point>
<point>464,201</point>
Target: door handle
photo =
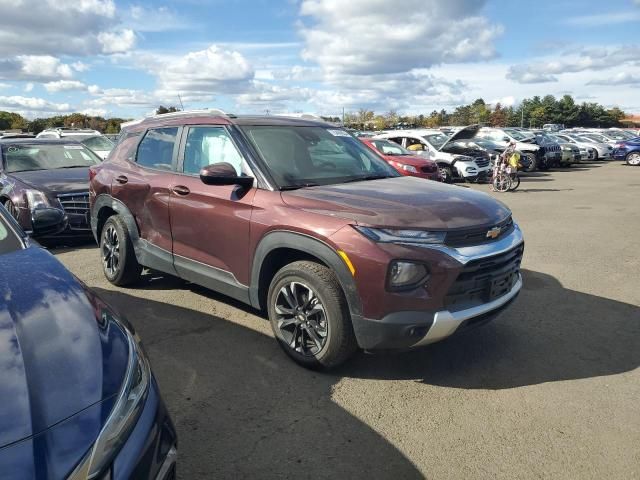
<point>180,190</point>
<point>122,179</point>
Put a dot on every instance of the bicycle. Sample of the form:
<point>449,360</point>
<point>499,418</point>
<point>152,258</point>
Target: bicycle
<point>505,176</point>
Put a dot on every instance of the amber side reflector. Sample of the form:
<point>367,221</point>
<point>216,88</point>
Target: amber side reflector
<point>344,257</point>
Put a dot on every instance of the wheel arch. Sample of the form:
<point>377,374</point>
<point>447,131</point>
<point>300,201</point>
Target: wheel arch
<point>104,207</point>
<point>279,248</point>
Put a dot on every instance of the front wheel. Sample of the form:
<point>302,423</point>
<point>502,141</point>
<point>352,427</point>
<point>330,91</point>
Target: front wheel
<point>119,262</point>
<point>633,159</point>
<point>501,182</point>
<point>309,315</point>
<point>446,173</point>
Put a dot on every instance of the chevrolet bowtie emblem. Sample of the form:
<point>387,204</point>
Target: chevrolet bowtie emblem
<point>494,232</point>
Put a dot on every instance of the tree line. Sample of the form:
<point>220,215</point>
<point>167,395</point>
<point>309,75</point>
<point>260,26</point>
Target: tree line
<point>531,113</point>
<point>15,121</point>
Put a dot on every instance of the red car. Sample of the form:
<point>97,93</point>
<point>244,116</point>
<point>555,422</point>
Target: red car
<point>403,160</point>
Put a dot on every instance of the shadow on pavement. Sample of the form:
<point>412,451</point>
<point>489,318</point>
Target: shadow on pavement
<point>549,334</point>
<point>243,409</point>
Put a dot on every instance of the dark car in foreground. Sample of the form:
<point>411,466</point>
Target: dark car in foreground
<point>300,219</point>
<point>44,184</point>
<point>629,151</point>
<point>403,160</point>
<point>77,397</point>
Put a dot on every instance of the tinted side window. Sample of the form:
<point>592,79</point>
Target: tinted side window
<point>156,148</point>
<point>207,146</point>
<point>126,147</point>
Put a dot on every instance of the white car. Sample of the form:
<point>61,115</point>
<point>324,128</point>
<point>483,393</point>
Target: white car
<point>92,139</point>
<point>525,142</point>
<point>454,161</point>
<point>601,151</point>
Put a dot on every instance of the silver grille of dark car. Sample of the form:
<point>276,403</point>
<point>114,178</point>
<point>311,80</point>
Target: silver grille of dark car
<point>75,202</point>
<point>76,206</point>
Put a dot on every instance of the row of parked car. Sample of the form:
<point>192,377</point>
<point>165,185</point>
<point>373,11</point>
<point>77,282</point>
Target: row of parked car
<point>333,237</point>
<point>469,152</point>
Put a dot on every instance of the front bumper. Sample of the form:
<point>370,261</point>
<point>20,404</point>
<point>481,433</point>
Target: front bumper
<point>414,328</point>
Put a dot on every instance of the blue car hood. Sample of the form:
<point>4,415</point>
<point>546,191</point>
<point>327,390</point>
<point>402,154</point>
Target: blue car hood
<point>60,351</point>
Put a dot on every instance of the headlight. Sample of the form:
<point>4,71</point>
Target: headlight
<point>36,199</point>
<point>122,418</point>
<point>463,158</point>
<point>404,274</point>
<point>416,237</point>
<point>404,166</point>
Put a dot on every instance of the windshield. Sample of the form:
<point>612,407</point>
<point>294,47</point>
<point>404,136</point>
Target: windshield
<point>437,140</point>
<point>516,134</point>
<point>98,143</point>
<point>9,241</point>
<point>23,158</point>
<point>596,138</point>
<point>308,156</point>
<point>390,148</point>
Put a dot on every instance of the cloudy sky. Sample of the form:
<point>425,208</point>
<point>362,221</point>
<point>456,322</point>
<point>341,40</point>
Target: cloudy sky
<point>120,58</point>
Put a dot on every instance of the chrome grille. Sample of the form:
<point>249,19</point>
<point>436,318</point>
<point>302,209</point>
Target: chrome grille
<point>76,206</point>
<point>482,162</point>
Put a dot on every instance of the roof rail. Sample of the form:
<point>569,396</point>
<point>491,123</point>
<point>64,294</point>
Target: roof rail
<point>180,113</point>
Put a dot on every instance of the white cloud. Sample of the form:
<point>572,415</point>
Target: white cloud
<point>64,86</point>
<point>32,104</point>
<point>28,87</point>
<point>161,19</point>
<point>117,42</point>
<point>620,78</point>
<point>4,85</point>
<point>95,112</point>
<point>378,36</point>
<point>603,19</point>
<point>585,59</point>
<point>80,66</point>
<point>202,73</point>
<point>39,68</point>
<point>55,27</point>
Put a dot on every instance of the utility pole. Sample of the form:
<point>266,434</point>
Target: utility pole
<point>181,105</point>
<point>521,117</point>
<point>343,116</point>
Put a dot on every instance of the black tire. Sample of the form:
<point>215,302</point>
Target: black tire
<point>515,182</point>
<point>533,163</point>
<point>446,173</point>
<point>325,318</point>
<point>119,263</point>
<point>633,159</point>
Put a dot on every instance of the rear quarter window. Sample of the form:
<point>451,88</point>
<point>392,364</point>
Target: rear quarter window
<point>156,148</point>
<point>126,147</point>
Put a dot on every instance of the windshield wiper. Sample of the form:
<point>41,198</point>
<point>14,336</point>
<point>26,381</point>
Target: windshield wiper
<point>299,185</point>
<point>74,166</point>
<point>367,177</point>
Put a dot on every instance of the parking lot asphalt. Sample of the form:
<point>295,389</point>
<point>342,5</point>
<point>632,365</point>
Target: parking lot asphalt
<point>551,388</point>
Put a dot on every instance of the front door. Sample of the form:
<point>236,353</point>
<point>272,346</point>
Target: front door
<point>209,223</point>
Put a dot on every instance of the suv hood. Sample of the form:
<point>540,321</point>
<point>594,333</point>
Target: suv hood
<point>54,181</point>
<point>59,352</point>
<point>406,202</point>
<point>465,134</point>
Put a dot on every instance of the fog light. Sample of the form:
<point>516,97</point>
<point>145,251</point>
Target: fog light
<point>405,275</point>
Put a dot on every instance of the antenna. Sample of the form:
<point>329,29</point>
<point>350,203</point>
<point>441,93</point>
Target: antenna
<point>181,105</point>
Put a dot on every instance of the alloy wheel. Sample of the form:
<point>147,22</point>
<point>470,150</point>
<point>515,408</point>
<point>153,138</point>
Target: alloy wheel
<point>301,318</point>
<point>633,159</point>
<point>111,251</point>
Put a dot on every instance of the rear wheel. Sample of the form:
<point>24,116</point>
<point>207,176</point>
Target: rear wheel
<point>532,162</point>
<point>119,262</point>
<point>633,159</point>
<point>309,315</point>
<point>514,182</point>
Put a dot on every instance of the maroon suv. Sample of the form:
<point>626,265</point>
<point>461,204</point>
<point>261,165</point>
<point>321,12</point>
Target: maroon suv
<point>300,219</point>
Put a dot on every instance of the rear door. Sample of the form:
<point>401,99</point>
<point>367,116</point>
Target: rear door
<point>210,223</point>
<point>143,186</point>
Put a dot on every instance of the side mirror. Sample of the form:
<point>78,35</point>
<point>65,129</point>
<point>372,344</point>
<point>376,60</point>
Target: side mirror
<point>224,173</point>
